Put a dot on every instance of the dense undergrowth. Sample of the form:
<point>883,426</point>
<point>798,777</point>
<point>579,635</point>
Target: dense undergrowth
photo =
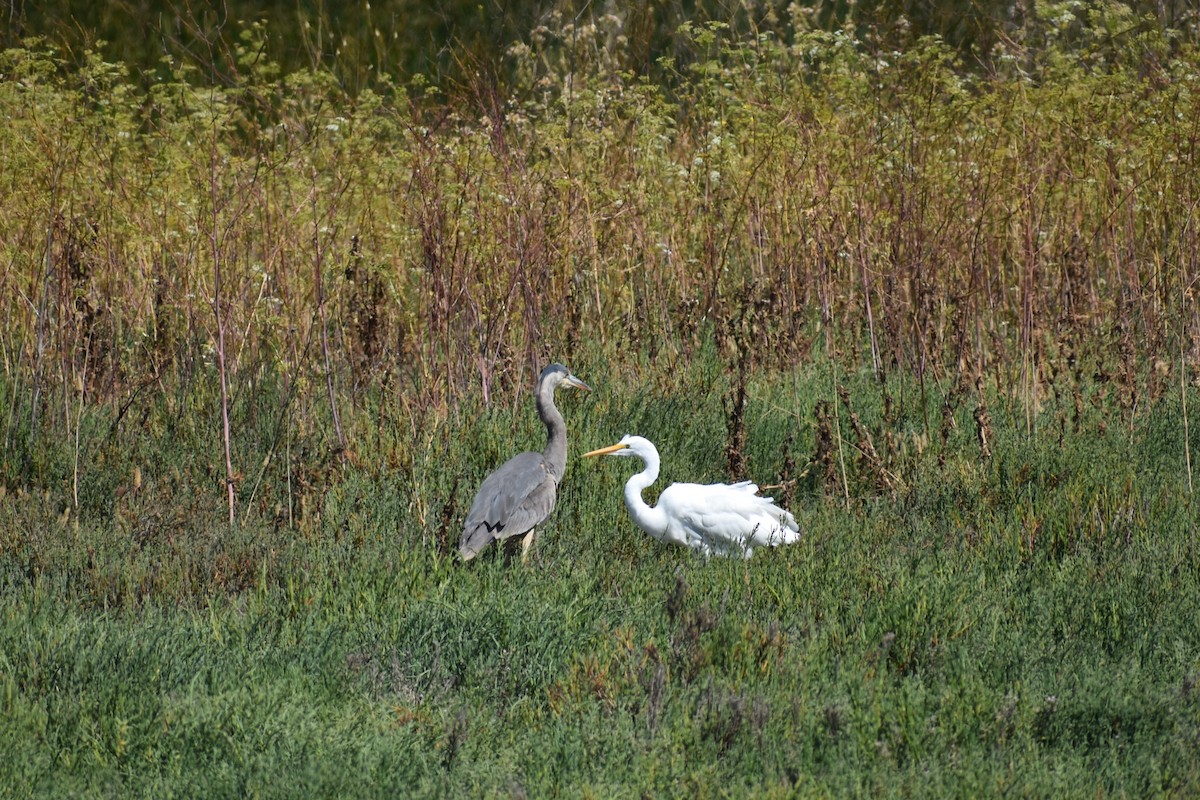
<point>962,625</point>
<point>263,338</point>
<point>965,226</point>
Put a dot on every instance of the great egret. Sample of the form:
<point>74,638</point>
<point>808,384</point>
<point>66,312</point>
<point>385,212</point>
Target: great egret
<point>716,519</point>
<point>519,495</point>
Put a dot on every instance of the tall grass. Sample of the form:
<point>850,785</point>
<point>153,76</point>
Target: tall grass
<point>899,209</point>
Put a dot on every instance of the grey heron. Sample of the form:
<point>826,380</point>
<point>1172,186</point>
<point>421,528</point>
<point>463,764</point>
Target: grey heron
<point>520,495</point>
<point>714,519</point>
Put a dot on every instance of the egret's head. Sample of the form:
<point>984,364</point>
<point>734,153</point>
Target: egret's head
<point>557,375</point>
<point>628,446</point>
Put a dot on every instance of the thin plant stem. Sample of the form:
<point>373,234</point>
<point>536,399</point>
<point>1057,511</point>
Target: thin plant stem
<point>215,241</point>
<point>1183,393</point>
<point>837,424</point>
<point>79,424</point>
<point>320,292</point>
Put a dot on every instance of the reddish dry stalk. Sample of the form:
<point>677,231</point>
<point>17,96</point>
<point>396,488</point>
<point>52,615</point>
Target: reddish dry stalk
<point>596,279</point>
<point>319,287</point>
<point>79,424</point>
<point>41,324</point>
<point>230,494</point>
<point>837,424</point>
<point>1187,450</point>
<point>1183,393</point>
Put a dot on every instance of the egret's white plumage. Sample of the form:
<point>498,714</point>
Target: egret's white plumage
<point>719,519</point>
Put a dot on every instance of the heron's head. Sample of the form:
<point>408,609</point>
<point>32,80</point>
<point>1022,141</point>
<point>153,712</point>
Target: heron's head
<point>557,375</point>
<point>628,446</point>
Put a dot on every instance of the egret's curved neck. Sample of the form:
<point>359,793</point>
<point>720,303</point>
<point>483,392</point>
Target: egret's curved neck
<point>652,520</point>
<point>556,431</point>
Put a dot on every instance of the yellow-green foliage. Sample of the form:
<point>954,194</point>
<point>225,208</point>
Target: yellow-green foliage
<point>803,191</point>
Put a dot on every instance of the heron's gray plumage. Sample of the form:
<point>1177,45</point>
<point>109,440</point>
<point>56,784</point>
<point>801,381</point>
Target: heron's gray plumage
<point>520,494</point>
<point>513,499</point>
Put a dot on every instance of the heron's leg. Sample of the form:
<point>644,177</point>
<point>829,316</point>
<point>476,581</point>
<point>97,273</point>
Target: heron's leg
<point>526,543</point>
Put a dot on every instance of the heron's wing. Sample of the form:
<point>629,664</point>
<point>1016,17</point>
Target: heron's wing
<point>516,497</point>
<point>726,519</point>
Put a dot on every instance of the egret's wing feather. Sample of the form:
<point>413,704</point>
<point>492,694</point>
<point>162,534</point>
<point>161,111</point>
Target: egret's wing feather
<point>516,497</point>
<point>726,519</point>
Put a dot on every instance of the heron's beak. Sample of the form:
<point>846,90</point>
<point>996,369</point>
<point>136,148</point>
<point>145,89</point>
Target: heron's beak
<point>607,451</point>
<point>571,380</point>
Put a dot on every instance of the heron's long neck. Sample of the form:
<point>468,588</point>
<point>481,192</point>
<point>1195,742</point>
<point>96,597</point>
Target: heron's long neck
<point>556,432</point>
<point>652,520</point>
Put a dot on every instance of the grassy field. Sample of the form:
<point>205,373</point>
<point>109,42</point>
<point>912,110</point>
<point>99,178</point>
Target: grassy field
<point>264,335</point>
<point>1022,624</point>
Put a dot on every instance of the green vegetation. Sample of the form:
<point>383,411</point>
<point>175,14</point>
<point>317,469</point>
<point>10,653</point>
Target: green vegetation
<point>264,336</point>
<point>1021,624</point>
